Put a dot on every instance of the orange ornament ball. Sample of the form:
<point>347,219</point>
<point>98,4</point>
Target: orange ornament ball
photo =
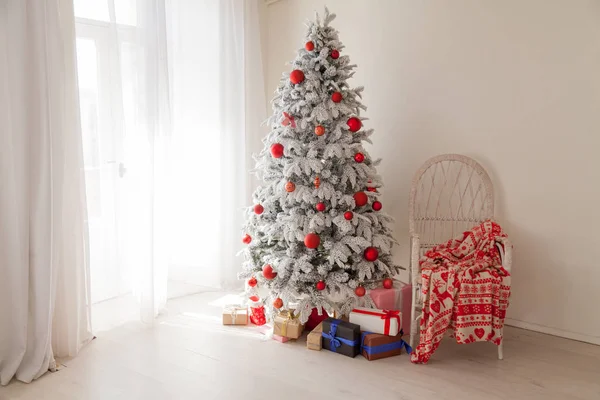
<point>360,199</point>
<point>296,76</point>
<point>312,240</point>
<point>290,187</point>
<point>360,291</point>
<point>319,130</point>
<point>278,303</point>
<point>309,46</point>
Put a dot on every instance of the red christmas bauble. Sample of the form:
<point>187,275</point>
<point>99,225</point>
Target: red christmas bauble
<point>348,215</point>
<point>360,291</point>
<point>335,54</point>
<point>377,205</point>
<point>278,303</point>
<point>388,283</point>
<point>312,240</point>
<point>319,130</point>
<point>252,282</point>
<point>371,189</point>
<point>247,239</point>
<point>360,198</point>
<point>354,124</point>
<point>359,157</point>
<point>309,46</point>
<point>371,254</point>
<point>277,150</point>
<point>254,298</point>
<point>258,209</point>
<point>320,206</point>
<point>296,76</point>
<point>321,285</point>
<point>336,97</point>
<point>268,272</point>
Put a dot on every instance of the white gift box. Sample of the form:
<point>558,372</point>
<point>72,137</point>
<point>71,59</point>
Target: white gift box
<point>385,322</point>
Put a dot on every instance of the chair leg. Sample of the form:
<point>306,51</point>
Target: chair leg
<point>501,351</point>
<point>413,319</point>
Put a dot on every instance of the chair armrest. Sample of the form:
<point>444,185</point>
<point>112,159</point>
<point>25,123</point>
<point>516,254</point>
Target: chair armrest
<point>415,270</point>
<point>506,250</point>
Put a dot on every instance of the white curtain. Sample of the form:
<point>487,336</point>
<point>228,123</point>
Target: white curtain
<point>186,122</point>
<point>44,297</point>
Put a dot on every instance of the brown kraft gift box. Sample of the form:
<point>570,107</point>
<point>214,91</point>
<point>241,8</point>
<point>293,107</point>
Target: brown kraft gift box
<point>314,338</point>
<point>375,346</point>
<point>235,315</point>
<point>287,324</point>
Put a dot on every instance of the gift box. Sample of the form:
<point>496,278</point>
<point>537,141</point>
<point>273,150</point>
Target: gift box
<point>315,319</point>
<point>235,314</point>
<point>385,322</point>
<point>287,324</point>
<point>375,346</point>
<point>314,338</point>
<point>397,298</point>
<point>341,337</point>
<point>281,339</point>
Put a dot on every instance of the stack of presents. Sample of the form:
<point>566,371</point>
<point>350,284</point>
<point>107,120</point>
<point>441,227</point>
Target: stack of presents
<point>373,332</point>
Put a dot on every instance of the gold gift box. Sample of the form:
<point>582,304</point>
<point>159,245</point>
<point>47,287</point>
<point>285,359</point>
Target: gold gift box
<point>287,324</point>
<point>313,340</point>
<point>235,314</point>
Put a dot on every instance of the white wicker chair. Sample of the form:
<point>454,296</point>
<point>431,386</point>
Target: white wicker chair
<point>450,194</point>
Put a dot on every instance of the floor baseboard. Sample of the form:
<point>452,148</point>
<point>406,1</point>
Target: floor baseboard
<point>552,331</point>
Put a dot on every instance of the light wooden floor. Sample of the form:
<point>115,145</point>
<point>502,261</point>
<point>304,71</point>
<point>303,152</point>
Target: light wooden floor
<point>189,355</point>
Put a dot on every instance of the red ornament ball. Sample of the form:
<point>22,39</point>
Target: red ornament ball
<point>312,240</point>
<point>296,76</point>
<point>354,124</point>
<point>371,189</point>
<point>360,291</point>
<point>321,285</point>
<point>360,198</point>
<point>320,206</point>
<point>258,209</point>
<point>348,215</point>
<point>247,239</point>
<point>335,54</point>
<point>359,157</point>
<point>254,298</point>
<point>377,205</point>
<point>371,254</point>
<point>252,282</point>
<point>268,272</point>
<point>309,46</point>
<point>278,303</point>
<point>336,97</point>
<point>388,283</point>
<point>277,150</point>
<point>319,130</point>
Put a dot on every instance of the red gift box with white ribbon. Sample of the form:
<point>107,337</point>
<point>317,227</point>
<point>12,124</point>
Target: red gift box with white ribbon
<point>385,322</point>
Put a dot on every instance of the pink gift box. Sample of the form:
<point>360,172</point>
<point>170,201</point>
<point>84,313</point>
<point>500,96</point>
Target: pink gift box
<point>281,339</point>
<point>398,298</point>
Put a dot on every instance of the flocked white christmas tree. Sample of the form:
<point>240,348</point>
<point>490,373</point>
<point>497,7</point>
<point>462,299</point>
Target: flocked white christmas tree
<point>315,234</point>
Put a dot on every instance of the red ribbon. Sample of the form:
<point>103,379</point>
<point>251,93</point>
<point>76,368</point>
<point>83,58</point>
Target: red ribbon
<point>288,120</point>
<point>387,315</point>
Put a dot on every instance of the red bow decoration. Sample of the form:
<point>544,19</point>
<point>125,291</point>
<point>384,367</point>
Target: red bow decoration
<point>387,315</point>
<point>288,120</point>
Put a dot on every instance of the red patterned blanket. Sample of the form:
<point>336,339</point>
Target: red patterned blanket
<point>465,290</point>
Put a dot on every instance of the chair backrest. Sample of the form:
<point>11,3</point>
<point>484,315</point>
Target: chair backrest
<point>450,194</point>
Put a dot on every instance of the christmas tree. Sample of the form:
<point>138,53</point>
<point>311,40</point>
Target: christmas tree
<point>316,235</point>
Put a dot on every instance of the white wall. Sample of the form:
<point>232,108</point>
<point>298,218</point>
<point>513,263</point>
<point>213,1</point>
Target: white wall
<point>514,84</point>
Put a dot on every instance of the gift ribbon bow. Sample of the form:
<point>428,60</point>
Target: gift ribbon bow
<point>233,310</point>
<point>288,120</point>
<point>382,348</point>
<point>386,315</point>
<point>334,340</point>
<point>289,316</point>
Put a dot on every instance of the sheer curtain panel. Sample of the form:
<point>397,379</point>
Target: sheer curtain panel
<point>44,297</point>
